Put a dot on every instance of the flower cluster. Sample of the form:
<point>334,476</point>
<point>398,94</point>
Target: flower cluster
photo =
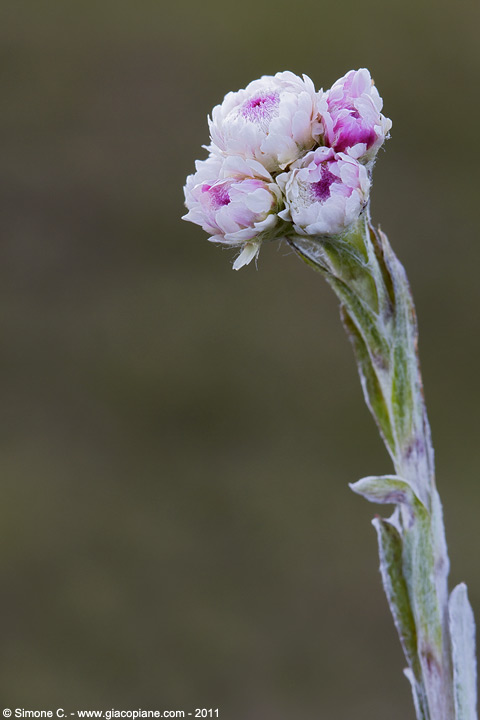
<point>285,159</point>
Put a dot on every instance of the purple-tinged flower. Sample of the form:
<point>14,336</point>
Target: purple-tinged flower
<point>324,193</point>
<point>235,201</point>
<point>351,116</point>
<point>274,120</point>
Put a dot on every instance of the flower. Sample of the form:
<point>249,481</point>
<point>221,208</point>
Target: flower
<point>324,193</point>
<point>351,116</point>
<point>285,159</point>
<point>236,201</point>
<point>274,120</point>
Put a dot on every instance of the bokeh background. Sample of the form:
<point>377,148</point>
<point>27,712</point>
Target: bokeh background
<point>176,525</point>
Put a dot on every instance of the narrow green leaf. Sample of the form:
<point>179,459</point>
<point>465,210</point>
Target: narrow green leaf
<point>462,633</point>
<point>390,547</point>
<point>350,277</point>
<point>372,389</point>
<point>419,697</point>
<point>386,489</point>
<point>419,569</point>
<point>366,322</point>
<point>402,400</point>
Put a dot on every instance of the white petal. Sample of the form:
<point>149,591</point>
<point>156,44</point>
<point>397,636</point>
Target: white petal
<point>249,252</point>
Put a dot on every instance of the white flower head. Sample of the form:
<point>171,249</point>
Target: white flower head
<point>234,200</point>
<point>324,193</point>
<point>274,120</point>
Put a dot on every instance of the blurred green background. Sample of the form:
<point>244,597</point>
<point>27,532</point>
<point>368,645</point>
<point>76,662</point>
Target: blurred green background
<point>176,526</point>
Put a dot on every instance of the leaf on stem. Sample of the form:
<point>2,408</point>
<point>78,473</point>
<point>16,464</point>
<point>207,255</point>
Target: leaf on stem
<point>390,549</point>
<point>419,697</point>
<point>386,489</point>
<point>372,389</point>
<point>462,633</point>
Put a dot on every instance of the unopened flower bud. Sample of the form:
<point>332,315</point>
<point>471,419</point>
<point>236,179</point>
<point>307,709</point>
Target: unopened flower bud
<point>351,116</point>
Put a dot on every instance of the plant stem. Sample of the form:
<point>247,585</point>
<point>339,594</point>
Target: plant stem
<point>379,316</point>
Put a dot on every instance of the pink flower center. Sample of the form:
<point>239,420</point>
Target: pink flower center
<point>260,108</point>
<point>353,129</point>
<point>321,188</point>
<point>218,195</point>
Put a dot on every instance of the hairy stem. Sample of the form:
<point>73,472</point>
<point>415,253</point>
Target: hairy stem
<point>379,317</point>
